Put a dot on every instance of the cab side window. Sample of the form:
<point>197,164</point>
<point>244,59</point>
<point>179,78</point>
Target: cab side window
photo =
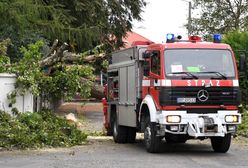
<point>155,62</point>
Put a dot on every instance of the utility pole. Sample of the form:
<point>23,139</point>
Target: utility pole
<point>189,19</point>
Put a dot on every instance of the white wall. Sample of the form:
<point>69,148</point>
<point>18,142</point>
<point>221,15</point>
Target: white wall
<point>7,84</point>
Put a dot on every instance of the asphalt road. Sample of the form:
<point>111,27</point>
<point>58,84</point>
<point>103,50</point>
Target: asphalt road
<point>105,153</point>
<point>102,152</point>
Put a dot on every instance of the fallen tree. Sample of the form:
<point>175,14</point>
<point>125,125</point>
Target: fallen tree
<point>97,91</point>
<point>38,130</point>
<point>60,54</point>
<point>59,74</point>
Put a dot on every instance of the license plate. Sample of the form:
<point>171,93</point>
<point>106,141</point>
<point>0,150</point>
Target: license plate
<point>186,100</point>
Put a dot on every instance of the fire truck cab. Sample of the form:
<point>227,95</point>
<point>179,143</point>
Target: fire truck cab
<point>176,91</point>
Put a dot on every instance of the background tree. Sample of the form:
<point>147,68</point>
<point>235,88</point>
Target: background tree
<point>227,17</point>
<point>86,26</point>
<point>239,42</point>
<point>83,24</point>
<point>220,16</point>
<point>4,59</point>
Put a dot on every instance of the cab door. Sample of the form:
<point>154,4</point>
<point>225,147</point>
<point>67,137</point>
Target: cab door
<point>155,75</point>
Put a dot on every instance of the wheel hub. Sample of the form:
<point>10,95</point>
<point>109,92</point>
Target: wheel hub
<point>147,136</point>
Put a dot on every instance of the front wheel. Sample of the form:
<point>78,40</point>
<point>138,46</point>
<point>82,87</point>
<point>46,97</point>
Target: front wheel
<point>221,144</point>
<point>152,141</point>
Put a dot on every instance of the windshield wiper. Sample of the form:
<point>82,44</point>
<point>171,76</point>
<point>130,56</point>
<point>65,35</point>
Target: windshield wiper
<point>222,76</point>
<point>187,73</point>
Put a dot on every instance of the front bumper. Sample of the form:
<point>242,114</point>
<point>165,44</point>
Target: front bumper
<point>198,125</point>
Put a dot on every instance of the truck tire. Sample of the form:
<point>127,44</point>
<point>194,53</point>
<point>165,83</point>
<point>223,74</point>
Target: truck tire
<point>221,144</point>
<point>131,135</point>
<point>119,132</point>
<point>110,127</point>
<point>152,142</point>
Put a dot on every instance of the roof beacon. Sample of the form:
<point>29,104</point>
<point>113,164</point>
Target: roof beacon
<point>217,38</point>
<point>195,39</point>
<point>170,38</point>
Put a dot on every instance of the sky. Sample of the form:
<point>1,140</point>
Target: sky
<point>161,17</point>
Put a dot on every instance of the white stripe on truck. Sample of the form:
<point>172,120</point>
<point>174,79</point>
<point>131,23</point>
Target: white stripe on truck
<point>158,83</point>
<point>235,82</point>
<point>168,83</point>
<point>146,83</point>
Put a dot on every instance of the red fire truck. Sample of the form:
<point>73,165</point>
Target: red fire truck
<point>178,90</point>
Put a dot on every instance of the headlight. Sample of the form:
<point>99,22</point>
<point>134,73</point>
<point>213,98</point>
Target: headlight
<point>173,119</point>
<point>231,118</point>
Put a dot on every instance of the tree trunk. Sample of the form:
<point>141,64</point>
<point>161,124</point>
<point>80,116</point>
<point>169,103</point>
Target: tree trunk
<point>97,91</point>
<point>55,104</point>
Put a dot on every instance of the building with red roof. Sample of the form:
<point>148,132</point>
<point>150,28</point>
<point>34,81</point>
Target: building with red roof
<point>133,38</point>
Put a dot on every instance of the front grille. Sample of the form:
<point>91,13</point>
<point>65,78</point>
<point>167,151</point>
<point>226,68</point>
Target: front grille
<point>217,95</point>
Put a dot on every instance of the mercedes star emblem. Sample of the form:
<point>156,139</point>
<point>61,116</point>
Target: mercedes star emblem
<point>202,95</point>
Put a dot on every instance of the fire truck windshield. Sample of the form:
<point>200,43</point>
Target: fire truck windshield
<point>200,63</point>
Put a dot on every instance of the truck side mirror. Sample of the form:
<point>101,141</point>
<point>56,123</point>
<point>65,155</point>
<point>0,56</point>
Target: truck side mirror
<point>146,55</point>
<point>242,62</point>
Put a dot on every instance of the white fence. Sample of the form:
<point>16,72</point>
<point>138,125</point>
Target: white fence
<point>7,85</point>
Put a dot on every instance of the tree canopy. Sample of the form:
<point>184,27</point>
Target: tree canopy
<point>83,24</point>
<point>239,43</point>
<point>220,16</point>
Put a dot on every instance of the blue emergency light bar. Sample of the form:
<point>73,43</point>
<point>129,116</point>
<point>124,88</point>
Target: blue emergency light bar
<point>170,38</point>
<point>217,38</point>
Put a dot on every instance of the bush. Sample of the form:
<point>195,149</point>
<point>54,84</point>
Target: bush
<point>239,43</point>
<point>243,127</point>
<point>37,130</point>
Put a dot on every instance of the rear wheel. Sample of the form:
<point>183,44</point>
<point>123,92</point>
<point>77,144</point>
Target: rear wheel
<point>119,132</point>
<point>221,144</point>
<point>152,141</point>
<point>110,126</point>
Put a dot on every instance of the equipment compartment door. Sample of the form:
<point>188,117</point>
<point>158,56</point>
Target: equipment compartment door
<point>127,114</point>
